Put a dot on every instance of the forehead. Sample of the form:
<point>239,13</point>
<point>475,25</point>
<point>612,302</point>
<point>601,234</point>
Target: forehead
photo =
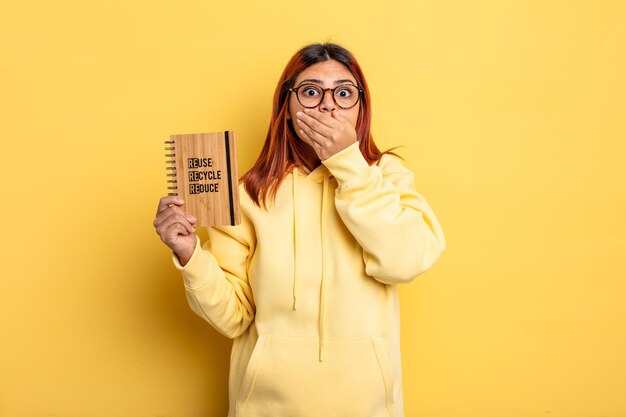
<point>327,71</point>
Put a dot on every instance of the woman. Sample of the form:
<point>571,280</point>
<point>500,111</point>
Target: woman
<point>307,283</point>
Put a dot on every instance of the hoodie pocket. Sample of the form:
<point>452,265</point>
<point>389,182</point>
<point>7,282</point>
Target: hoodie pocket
<point>285,377</point>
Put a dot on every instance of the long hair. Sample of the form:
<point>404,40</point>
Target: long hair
<point>283,149</point>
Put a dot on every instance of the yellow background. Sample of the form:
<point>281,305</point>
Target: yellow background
<point>511,114</point>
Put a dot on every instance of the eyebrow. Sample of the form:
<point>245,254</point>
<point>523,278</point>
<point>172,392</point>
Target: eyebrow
<point>320,82</point>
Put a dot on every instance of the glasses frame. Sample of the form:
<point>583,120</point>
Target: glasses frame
<point>324,90</point>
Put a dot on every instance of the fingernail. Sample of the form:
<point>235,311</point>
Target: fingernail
<point>299,114</point>
<point>191,218</point>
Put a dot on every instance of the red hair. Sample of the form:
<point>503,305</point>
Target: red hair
<point>283,150</point>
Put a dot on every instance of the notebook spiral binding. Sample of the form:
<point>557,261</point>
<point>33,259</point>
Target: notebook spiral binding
<point>171,176</point>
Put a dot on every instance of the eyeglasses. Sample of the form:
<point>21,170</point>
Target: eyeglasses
<point>345,96</point>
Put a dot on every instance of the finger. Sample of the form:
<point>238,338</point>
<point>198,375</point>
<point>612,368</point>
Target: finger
<point>175,218</point>
<point>316,146</point>
<point>184,220</point>
<point>315,124</point>
<point>341,120</point>
<point>313,137</point>
<point>166,201</point>
<point>175,230</point>
<point>324,118</point>
<point>335,113</point>
<point>170,234</point>
<point>313,134</point>
<point>168,212</point>
<point>345,126</point>
<point>173,233</point>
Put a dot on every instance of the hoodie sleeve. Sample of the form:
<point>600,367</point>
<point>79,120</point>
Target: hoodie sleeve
<point>398,231</point>
<point>216,279</point>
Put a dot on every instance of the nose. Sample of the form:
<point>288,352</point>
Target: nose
<point>328,102</point>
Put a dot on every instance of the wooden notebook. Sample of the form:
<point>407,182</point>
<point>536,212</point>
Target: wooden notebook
<point>202,170</point>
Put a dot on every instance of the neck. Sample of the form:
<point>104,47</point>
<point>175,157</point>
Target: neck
<point>311,165</point>
<point>311,160</point>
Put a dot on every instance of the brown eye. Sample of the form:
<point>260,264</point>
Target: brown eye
<point>346,96</point>
<point>309,95</point>
<point>344,93</point>
<point>310,91</point>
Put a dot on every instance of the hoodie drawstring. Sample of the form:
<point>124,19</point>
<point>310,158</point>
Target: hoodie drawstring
<point>294,189</point>
<point>295,237</point>
<point>324,258</point>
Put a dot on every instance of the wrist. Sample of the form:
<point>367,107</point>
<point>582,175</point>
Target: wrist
<point>183,258</point>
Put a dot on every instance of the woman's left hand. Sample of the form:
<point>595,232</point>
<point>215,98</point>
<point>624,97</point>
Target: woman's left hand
<point>326,133</point>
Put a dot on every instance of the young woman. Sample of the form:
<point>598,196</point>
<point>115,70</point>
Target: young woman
<point>306,285</point>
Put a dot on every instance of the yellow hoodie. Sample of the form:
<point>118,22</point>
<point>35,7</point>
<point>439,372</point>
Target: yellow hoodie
<point>308,289</point>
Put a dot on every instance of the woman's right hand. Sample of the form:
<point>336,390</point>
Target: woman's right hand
<point>175,227</point>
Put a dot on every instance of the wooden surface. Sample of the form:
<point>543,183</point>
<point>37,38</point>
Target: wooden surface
<point>198,172</point>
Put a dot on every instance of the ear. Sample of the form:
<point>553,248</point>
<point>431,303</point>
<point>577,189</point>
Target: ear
<point>288,116</point>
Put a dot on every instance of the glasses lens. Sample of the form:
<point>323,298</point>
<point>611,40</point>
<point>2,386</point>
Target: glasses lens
<point>346,95</point>
<point>310,95</point>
